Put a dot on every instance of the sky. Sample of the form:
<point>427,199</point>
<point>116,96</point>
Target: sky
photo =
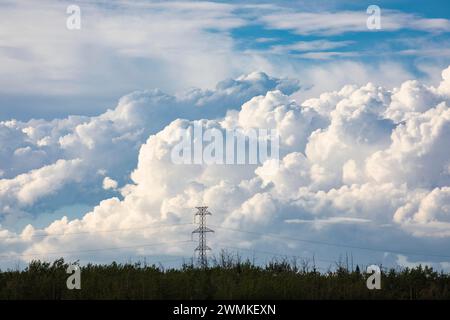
<point>88,119</point>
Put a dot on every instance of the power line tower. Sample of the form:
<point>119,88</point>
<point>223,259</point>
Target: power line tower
<point>202,229</point>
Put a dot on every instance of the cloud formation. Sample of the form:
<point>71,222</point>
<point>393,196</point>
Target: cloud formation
<point>85,149</point>
<point>49,71</point>
<point>369,158</point>
<point>333,23</point>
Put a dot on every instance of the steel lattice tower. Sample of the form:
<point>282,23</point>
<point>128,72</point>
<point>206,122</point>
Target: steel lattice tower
<point>202,229</point>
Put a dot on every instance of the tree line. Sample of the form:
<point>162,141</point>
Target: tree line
<point>226,277</point>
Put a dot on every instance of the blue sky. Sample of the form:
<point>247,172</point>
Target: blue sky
<point>87,119</point>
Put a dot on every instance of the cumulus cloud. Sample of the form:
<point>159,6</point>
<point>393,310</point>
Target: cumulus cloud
<point>109,183</point>
<point>363,159</point>
<point>416,155</point>
<point>26,188</point>
<point>109,143</point>
<point>428,212</point>
<point>411,97</point>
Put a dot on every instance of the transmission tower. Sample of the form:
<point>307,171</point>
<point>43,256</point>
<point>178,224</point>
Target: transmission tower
<point>202,229</point>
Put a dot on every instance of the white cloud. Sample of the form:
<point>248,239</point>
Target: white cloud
<point>109,143</point>
<point>25,189</point>
<point>333,23</point>
<point>276,111</point>
<point>444,87</point>
<point>427,214</point>
<point>321,223</point>
<point>133,46</point>
<point>168,39</point>
<point>416,155</point>
<point>362,157</point>
<point>336,75</point>
<point>109,183</point>
<point>405,262</point>
<point>411,97</point>
<point>327,55</point>
<point>313,45</point>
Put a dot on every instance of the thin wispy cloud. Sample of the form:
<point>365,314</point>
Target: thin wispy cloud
<point>339,22</point>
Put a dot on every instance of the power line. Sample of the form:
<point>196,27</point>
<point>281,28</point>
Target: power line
<point>335,244</point>
<point>276,254</point>
<point>94,250</point>
<point>155,259</point>
<point>148,259</point>
<point>271,235</point>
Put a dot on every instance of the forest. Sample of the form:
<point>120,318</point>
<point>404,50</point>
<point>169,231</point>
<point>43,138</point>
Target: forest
<point>225,277</point>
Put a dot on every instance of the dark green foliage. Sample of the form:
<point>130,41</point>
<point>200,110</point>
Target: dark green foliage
<point>228,277</point>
